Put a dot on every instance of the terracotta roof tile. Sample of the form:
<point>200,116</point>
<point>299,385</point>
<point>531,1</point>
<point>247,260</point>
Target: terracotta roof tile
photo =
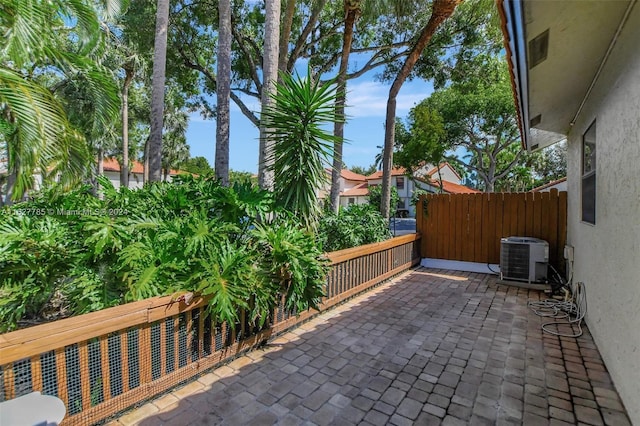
<point>401,171</point>
<point>112,165</point>
<point>357,191</point>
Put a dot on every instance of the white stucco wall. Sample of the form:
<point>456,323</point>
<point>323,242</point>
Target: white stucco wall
<point>607,254</point>
<point>448,174</point>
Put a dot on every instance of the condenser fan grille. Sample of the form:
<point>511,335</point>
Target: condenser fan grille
<point>515,261</point>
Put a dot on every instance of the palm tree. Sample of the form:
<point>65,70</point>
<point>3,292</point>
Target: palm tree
<point>174,147</point>
<point>352,10</point>
<point>34,128</point>
<point>157,91</point>
<point>223,91</point>
<point>269,76</point>
<point>442,9</point>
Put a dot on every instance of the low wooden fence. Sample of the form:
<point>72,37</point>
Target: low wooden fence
<point>104,362</point>
<point>468,227</point>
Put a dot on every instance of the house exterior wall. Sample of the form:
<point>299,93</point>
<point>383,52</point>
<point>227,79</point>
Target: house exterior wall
<point>136,180</point>
<point>447,174</point>
<point>607,254</point>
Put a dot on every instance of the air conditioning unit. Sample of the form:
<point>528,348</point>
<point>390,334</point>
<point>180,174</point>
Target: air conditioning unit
<point>524,259</point>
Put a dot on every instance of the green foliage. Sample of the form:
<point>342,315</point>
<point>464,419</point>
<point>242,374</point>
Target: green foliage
<point>351,227</point>
<point>44,46</point>
<point>302,148</point>
<point>245,178</point>
<point>365,171</point>
<point>192,235</point>
<point>422,142</point>
<point>479,115</point>
<point>375,197</point>
<point>417,193</point>
<point>197,165</point>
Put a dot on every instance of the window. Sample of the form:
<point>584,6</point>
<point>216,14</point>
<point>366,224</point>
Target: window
<point>400,182</point>
<point>589,175</point>
<point>400,205</point>
<point>352,200</point>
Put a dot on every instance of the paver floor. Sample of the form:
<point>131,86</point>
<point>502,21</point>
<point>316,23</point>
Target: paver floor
<point>431,347</point>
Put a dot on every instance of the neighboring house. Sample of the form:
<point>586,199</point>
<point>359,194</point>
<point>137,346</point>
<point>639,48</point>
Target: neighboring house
<point>560,185</point>
<point>425,178</point>
<point>356,195</point>
<point>351,188</point>
<point>354,188</point>
<point>136,173</point>
<point>576,75</point>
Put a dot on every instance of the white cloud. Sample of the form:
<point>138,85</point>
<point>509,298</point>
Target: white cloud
<point>369,99</point>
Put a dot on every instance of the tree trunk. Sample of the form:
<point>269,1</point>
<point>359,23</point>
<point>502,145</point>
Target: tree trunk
<point>442,9</point>
<point>124,168</point>
<point>145,169</point>
<point>269,76</point>
<point>11,183</point>
<point>157,90</point>
<point>285,35</point>
<point>338,128</point>
<point>223,90</point>
<point>100,172</point>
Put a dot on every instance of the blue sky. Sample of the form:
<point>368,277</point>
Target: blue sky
<point>364,130</point>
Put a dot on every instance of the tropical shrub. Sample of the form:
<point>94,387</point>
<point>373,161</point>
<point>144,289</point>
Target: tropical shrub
<point>375,197</point>
<point>352,226</point>
<point>193,235</point>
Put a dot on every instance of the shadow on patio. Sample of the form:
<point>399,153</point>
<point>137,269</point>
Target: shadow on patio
<point>429,347</point>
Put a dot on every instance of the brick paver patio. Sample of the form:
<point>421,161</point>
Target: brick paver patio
<point>431,347</point>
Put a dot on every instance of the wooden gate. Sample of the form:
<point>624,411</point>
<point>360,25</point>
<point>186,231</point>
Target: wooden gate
<point>468,227</point>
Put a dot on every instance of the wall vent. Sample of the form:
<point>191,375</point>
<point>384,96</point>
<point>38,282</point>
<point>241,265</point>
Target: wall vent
<point>538,49</point>
<point>535,120</point>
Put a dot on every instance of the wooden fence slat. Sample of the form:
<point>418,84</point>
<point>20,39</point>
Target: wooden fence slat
<point>522,214</point>
<point>163,348</point>
<point>61,375</point>
<point>104,367</point>
<point>501,212</point>
<point>562,229</point>
<point>544,216</point>
<point>176,342</point>
<point>529,203</point>
<point>466,228</point>
<point>553,227</point>
<point>461,235</point>
<point>432,220</point>
<point>201,333</point>
<point>36,373</point>
<point>85,379</point>
<point>124,350</point>
<point>477,219</point>
<point>451,228</point>
<point>537,214</point>
<point>9,382</point>
<point>144,352</point>
<point>487,230</point>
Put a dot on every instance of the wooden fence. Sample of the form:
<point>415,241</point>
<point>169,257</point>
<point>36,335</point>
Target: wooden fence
<point>104,362</point>
<point>468,227</point>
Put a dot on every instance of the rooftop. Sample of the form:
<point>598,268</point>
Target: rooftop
<point>430,347</point>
